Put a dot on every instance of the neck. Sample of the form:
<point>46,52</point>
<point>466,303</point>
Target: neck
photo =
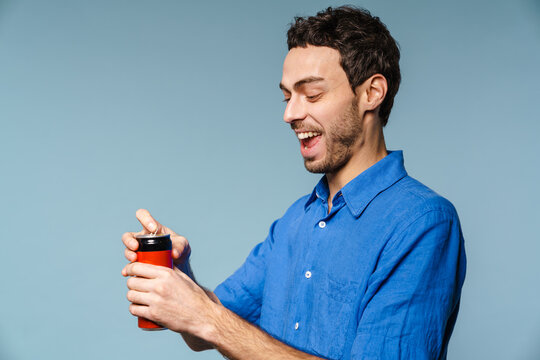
<point>369,149</point>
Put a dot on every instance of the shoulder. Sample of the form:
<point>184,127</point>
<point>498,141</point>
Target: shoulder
<point>292,216</point>
<point>418,197</point>
<point>419,214</point>
<point>408,200</point>
<point>298,205</point>
<point>296,209</point>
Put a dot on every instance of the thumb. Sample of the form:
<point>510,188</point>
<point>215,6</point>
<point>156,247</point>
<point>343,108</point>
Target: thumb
<point>150,225</point>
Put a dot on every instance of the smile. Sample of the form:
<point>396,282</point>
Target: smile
<point>306,135</point>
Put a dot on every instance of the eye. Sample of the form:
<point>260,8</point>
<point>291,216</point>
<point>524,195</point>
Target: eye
<point>313,97</point>
<point>286,100</point>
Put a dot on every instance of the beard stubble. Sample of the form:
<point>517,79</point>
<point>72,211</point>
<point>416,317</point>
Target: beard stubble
<point>340,138</point>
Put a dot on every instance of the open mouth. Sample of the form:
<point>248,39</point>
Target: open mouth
<point>308,139</point>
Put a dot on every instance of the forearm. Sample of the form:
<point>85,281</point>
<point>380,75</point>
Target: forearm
<point>238,339</point>
<point>195,343</point>
<point>234,337</point>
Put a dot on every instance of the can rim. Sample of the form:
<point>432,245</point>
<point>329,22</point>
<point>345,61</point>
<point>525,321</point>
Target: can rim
<point>151,236</point>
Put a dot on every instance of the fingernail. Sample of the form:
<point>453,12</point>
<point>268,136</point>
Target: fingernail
<point>151,226</point>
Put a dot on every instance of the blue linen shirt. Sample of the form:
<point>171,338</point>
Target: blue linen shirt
<point>379,277</point>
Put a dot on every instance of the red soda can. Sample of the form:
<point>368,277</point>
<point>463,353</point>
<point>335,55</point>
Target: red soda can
<point>156,250</point>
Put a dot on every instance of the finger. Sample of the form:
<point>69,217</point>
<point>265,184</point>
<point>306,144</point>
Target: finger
<point>143,270</point>
<point>129,241</point>
<point>147,221</point>
<point>181,248</point>
<point>180,256</point>
<point>140,310</point>
<point>130,255</point>
<point>139,298</point>
<point>139,284</point>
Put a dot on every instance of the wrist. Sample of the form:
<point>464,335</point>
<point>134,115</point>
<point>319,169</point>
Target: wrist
<point>210,330</point>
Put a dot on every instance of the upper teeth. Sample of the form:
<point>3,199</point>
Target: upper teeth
<point>305,135</point>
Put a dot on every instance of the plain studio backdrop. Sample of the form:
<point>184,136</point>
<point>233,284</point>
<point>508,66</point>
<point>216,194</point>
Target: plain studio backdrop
<point>173,106</point>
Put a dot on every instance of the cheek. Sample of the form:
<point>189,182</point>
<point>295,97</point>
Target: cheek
<point>329,111</point>
<point>324,115</point>
<point>328,117</point>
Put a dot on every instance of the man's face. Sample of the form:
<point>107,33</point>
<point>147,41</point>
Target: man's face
<point>321,107</point>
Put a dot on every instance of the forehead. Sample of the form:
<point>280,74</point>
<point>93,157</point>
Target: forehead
<point>312,61</point>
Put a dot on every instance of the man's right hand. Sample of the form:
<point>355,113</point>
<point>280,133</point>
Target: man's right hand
<point>180,245</point>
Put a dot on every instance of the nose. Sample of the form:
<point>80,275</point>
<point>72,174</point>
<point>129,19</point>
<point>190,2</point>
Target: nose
<point>295,110</point>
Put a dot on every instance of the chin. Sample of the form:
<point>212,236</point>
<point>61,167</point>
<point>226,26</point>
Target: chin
<point>325,165</point>
<point>315,166</point>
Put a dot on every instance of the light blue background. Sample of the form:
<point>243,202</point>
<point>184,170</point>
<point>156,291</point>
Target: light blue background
<point>109,106</point>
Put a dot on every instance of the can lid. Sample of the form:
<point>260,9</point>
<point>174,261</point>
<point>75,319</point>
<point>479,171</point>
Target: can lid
<point>150,242</point>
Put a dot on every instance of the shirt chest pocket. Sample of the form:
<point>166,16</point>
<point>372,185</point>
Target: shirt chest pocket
<point>333,312</point>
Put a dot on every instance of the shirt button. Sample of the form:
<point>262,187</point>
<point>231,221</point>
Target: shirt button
<point>322,224</point>
<point>296,326</point>
<point>308,274</point>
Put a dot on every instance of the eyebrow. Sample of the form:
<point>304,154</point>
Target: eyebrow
<point>302,82</point>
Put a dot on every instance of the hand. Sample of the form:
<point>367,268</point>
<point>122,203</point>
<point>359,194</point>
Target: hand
<point>168,297</point>
<point>180,246</point>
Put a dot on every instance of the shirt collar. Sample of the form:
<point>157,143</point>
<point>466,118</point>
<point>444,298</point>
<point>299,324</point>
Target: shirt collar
<point>359,192</point>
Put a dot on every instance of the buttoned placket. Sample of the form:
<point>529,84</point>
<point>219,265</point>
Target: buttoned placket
<point>317,232</point>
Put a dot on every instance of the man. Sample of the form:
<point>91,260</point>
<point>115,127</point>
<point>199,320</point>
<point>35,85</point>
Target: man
<point>370,265</point>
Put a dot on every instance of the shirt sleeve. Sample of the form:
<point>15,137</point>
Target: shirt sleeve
<point>412,299</point>
<point>242,291</point>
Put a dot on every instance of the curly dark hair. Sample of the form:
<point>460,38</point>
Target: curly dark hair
<point>365,45</point>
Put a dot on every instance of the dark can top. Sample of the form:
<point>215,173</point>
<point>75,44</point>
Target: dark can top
<point>151,242</point>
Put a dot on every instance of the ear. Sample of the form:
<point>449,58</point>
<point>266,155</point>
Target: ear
<point>373,91</point>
